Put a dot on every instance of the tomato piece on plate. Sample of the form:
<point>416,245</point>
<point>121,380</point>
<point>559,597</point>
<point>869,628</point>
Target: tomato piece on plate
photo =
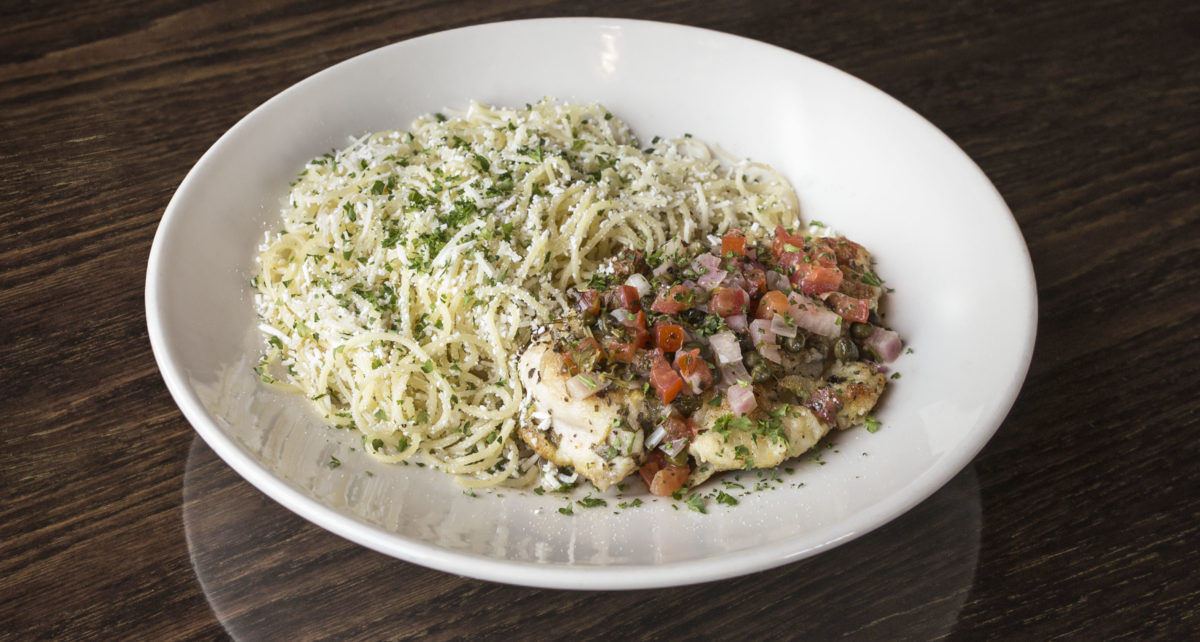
<point>680,427</point>
<point>825,404</point>
<point>688,361</point>
<point>674,301</point>
<point>627,339</point>
<point>815,278</point>
<point>756,280</point>
<point>784,244</point>
<point>666,382</point>
<point>727,302</point>
<point>654,463</point>
<point>668,336</point>
<point>626,297</point>
<point>772,303</point>
<point>583,356</point>
<point>591,301</point>
<point>695,371</point>
<point>733,243</point>
<point>668,480</point>
<point>848,307</point>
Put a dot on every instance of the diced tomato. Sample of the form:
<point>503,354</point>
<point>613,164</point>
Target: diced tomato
<point>815,278</point>
<point>727,301</point>
<point>626,297</point>
<point>688,361</point>
<point>583,356</point>
<point>667,383</point>
<point>663,477</point>
<point>785,244</point>
<point>637,320</point>
<point>628,339</point>
<point>845,251</point>
<point>825,404</point>
<point>680,427</point>
<point>621,351</point>
<point>673,301</point>
<point>654,463</point>
<point>627,262</point>
<point>733,243</point>
<point>668,480</point>
<point>772,303</point>
<point>790,261</point>
<point>591,301</point>
<point>668,336</point>
<point>848,307</point>
<point>695,371</point>
<point>756,280</point>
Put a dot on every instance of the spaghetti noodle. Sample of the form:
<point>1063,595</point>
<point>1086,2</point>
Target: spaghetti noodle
<point>412,267</point>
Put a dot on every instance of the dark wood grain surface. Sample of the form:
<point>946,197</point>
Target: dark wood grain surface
<point>1079,520</point>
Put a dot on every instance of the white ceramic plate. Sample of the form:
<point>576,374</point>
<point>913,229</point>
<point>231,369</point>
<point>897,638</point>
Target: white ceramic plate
<point>964,298</point>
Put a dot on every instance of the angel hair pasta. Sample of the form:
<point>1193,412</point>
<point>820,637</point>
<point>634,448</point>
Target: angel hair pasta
<point>412,267</point>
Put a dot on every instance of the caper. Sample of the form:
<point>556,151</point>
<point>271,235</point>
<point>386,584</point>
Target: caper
<point>845,350</point>
<point>589,318</point>
<point>752,359</point>
<point>794,344</point>
<point>686,404</point>
<point>788,396</point>
<point>694,316</point>
<point>680,458</point>
<point>862,331</point>
<point>760,373</point>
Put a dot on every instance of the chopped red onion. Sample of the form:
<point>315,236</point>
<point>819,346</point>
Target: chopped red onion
<point>741,398</point>
<point>620,314</point>
<point>656,437</point>
<point>638,282</point>
<point>711,279</point>
<point>761,332</point>
<point>582,386</point>
<point>726,347</point>
<point>736,322</point>
<point>885,343</point>
<point>673,448</point>
<point>770,351</point>
<point>777,281</point>
<point>732,373</point>
<point>781,325</point>
<point>706,263</point>
<point>662,269</point>
<point>813,316</point>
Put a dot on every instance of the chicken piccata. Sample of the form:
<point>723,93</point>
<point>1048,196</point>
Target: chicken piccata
<point>700,359</point>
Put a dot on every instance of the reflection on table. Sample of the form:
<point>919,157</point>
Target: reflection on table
<point>268,574</point>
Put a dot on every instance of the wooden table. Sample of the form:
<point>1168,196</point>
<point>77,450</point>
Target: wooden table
<point>1080,518</point>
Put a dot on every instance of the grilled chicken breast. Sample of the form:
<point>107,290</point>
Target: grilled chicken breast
<point>601,436</point>
<point>776,431</point>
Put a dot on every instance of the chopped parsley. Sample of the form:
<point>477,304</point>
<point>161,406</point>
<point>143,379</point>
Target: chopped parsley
<point>591,502</point>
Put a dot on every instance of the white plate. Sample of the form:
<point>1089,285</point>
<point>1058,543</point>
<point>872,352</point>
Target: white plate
<point>965,299</point>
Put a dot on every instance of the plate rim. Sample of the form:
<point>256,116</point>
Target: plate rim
<point>554,575</point>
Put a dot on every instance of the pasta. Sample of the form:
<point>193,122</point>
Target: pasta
<point>412,267</point>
